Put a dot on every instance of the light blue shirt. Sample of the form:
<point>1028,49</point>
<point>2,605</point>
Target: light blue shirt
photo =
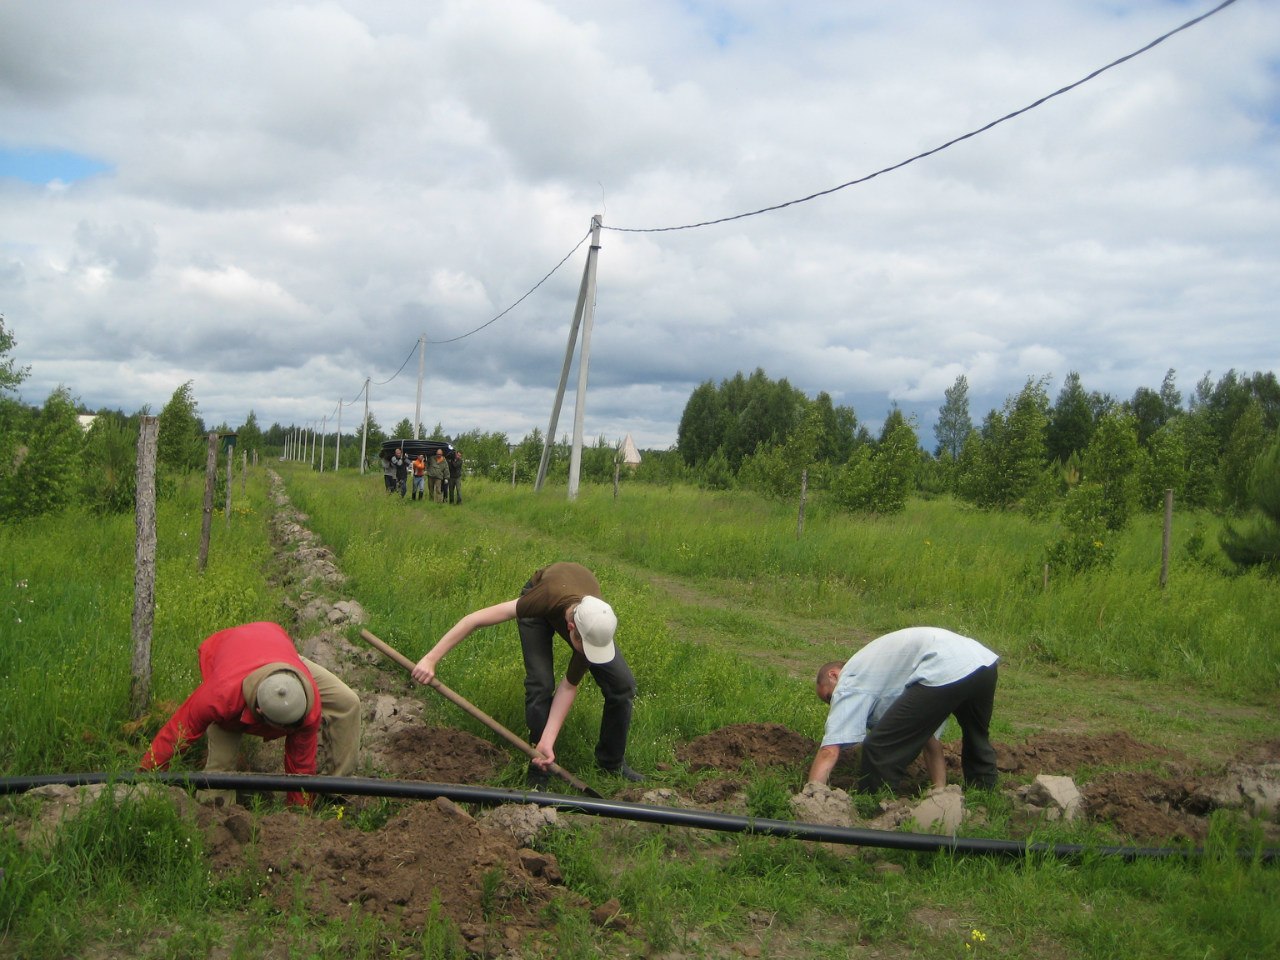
<point>876,676</point>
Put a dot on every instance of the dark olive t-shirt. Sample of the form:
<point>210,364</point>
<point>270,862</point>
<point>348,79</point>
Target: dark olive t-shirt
<point>552,590</point>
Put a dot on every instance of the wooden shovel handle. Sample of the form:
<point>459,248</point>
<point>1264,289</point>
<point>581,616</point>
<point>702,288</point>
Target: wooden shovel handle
<point>460,701</point>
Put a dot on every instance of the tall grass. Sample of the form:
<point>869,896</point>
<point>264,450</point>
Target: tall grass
<point>941,563</point>
<point>66,608</point>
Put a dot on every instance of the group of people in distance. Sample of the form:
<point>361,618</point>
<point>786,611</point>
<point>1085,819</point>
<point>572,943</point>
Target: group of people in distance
<point>892,697</point>
<point>439,476</point>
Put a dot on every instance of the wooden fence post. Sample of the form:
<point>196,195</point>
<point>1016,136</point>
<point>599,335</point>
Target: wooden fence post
<point>210,478</point>
<point>615,479</point>
<point>231,473</point>
<point>1164,542</point>
<point>804,494</point>
<point>144,566</point>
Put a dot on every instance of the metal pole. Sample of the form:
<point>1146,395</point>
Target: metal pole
<point>580,404</point>
<point>422,362</point>
<point>324,430</point>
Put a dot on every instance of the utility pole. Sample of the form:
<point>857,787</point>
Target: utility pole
<point>364,430</point>
<point>580,405</point>
<point>324,429</point>
<point>585,308</point>
<point>422,362</point>
<point>337,441</point>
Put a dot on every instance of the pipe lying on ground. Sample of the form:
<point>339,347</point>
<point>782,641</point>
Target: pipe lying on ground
<point>619,810</point>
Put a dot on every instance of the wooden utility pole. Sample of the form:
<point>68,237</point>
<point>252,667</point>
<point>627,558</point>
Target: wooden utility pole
<point>210,478</point>
<point>144,566</point>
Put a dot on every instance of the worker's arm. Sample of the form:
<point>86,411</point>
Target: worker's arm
<point>560,705</point>
<point>425,671</point>
<point>823,763</point>
<point>934,762</point>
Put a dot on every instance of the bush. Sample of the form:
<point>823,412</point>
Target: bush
<point>1083,542</point>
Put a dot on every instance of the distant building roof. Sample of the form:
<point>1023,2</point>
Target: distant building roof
<point>630,455</point>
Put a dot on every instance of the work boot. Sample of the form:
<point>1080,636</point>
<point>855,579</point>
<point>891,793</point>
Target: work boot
<point>626,773</point>
<point>536,778</point>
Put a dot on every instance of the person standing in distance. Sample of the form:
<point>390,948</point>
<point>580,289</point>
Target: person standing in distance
<point>564,599</point>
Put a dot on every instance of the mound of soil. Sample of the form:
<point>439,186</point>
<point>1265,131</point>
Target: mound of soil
<point>731,748</point>
<point>1066,754</point>
<point>431,857</point>
<point>440,755</point>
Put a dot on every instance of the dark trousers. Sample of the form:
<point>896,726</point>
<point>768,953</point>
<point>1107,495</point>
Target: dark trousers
<point>614,678</point>
<point>455,490</point>
<point>907,725</point>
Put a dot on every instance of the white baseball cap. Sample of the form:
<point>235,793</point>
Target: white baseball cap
<point>596,624</point>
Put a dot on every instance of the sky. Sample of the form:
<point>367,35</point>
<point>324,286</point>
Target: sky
<point>276,201</point>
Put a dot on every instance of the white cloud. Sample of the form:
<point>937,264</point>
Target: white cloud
<point>300,190</point>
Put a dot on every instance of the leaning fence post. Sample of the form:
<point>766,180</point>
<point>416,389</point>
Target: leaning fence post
<point>210,477</point>
<point>144,566</point>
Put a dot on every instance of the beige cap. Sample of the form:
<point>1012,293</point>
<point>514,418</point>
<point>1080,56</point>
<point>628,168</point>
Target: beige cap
<point>281,698</point>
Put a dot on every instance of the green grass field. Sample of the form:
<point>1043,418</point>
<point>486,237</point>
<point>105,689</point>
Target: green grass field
<point>725,616</point>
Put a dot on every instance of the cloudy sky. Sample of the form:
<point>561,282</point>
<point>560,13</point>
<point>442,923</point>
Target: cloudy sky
<point>276,200</point>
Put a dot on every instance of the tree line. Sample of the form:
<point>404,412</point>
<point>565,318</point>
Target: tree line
<point>48,461</point>
<point>1089,458</point>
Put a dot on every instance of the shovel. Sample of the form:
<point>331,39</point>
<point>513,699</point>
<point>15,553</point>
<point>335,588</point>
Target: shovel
<point>461,701</point>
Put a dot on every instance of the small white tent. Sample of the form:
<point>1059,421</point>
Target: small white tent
<point>630,455</point>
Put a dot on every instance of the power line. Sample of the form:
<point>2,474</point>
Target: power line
<point>928,153</point>
<point>380,383</point>
<point>492,320</point>
<point>521,300</point>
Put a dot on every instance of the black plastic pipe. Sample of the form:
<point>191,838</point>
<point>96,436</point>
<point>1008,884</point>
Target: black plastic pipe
<point>619,810</point>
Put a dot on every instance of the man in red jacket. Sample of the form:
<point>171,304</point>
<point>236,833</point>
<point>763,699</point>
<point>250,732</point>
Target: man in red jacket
<point>253,681</point>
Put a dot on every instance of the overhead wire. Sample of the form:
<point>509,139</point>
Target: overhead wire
<point>492,320</point>
<point>830,190</point>
<point>938,149</point>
